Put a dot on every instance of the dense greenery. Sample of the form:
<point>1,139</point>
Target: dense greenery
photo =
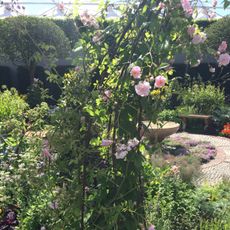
<point>202,99</point>
<point>218,32</point>
<point>85,164</point>
<point>69,26</point>
<point>30,40</point>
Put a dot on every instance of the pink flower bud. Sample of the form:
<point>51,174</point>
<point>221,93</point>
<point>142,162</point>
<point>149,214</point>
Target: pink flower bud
<point>160,81</point>
<point>223,46</point>
<point>107,95</point>
<point>136,72</point>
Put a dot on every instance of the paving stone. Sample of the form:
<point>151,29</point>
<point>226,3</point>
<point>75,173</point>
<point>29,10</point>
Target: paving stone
<point>219,168</point>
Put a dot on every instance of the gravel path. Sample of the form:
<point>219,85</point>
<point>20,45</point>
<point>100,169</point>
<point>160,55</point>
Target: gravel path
<point>219,168</point>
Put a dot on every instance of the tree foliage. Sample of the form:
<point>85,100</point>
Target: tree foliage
<point>30,40</point>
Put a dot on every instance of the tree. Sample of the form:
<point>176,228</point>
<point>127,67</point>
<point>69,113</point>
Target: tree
<point>31,40</point>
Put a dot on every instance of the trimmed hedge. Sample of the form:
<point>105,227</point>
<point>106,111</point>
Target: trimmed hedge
<point>70,29</point>
<point>217,32</point>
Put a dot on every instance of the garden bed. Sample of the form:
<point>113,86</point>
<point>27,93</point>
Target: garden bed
<point>185,153</point>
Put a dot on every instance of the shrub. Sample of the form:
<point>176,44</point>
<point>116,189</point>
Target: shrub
<point>32,39</point>
<point>168,115</point>
<point>37,94</point>
<point>173,207</point>
<point>214,201</point>
<point>202,99</point>
<point>11,104</point>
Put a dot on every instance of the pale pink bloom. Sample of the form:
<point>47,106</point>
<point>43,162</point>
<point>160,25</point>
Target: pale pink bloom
<point>224,59</point>
<point>212,70</point>
<point>107,95</point>
<point>151,227</point>
<point>121,154</point>
<point>161,5</point>
<point>143,88</point>
<point>136,72</point>
<point>87,189</point>
<point>223,46</point>
<point>191,31</point>
<point>106,142</point>
<point>160,81</point>
<point>132,143</point>
<point>122,151</point>
<point>199,38</point>
<point>187,7</point>
<point>214,3</point>
<point>175,169</point>
<point>196,39</point>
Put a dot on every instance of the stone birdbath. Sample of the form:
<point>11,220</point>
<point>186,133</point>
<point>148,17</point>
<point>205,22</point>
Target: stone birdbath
<point>158,132</point>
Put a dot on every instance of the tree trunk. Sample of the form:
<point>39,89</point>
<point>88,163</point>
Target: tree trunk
<point>31,69</point>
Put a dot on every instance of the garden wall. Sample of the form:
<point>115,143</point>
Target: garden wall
<point>17,76</point>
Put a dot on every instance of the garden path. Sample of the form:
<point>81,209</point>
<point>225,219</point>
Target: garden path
<point>219,168</point>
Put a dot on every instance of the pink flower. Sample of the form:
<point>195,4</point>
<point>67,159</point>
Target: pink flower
<point>160,81</point>
<point>214,3</point>
<point>196,39</point>
<point>121,154</point>
<point>191,31</point>
<point>136,72</point>
<point>151,227</point>
<point>175,169</point>
<point>187,7</point>
<point>199,38</point>
<point>107,95</point>
<point>161,5</point>
<point>132,144</point>
<point>223,46</point>
<point>143,88</point>
<point>122,151</point>
<point>106,142</point>
<point>224,59</point>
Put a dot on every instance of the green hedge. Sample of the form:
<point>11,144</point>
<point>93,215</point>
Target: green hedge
<point>218,32</point>
<point>69,27</point>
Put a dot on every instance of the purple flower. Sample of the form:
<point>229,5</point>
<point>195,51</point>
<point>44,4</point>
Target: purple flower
<point>151,227</point>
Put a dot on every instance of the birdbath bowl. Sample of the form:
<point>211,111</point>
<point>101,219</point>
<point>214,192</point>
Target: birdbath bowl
<point>158,132</point>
